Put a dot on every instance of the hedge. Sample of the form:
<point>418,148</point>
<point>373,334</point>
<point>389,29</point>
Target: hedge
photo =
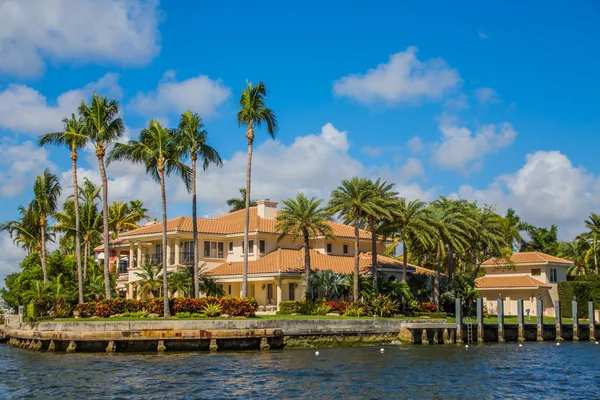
<point>584,290</point>
<point>232,306</point>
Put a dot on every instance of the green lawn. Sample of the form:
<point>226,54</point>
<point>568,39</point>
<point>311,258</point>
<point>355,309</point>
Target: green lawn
<point>258,317</point>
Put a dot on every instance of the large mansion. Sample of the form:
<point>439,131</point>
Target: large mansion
<point>275,268</point>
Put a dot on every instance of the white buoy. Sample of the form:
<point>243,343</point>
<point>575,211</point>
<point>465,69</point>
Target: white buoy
<point>520,345</point>
<point>316,353</point>
<point>382,350</point>
<point>466,346</point>
<point>596,342</point>
<point>558,344</point>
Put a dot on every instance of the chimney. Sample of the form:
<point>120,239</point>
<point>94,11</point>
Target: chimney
<point>267,209</point>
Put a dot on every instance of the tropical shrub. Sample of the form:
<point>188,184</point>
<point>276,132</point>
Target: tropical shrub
<point>383,306</point>
<point>322,309</point>
<point>232,306</point>
<point>583,289</point>
<point>136,314</point>
<point>212,310</point>
<point>106,308</point>
<point>428,307</point>
<point>183,315</point>
<point>307,307</point>
<point>338,306</point>
<point>154,306</point>
<point>189,305</point>
<point>288,307</point>
<point>356,310</point>
<point>85,310</point>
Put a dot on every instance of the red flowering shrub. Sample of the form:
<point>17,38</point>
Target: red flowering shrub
<point>190,305</point>
<point>235,306</point>
<point>338,306</point>
<point>108,307</point>
<point>85,310</point>
<point>154,306</point>
<point>428,307</point>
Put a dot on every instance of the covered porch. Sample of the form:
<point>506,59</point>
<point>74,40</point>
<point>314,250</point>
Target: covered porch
<point>267,289</point>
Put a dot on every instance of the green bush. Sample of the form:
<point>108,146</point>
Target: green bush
<point>183,315</point>
<point>356,310</point>
<point>198,315</point>
<point>289,307</point>
<point>212,310</point>
<point>307,307</point>
<point>31,310</point>
<point>584,291</point>
<point>383,306</point>
<point>136,314</point>
<point>322,309</point>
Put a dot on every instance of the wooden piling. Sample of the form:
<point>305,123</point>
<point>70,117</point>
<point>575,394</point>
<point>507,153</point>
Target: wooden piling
<point>72,347</point>
<point>213,345</point>
<point>111,347</point>
<point>500,321</point>
<point>558,322</point>
<point>264,344</point>
<point>424,339</point>
<point>161,348</point>
<point>592,318</point>
<point>575,320</point>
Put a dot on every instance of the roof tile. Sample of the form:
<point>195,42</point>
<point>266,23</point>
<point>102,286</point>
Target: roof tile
<point>534,257</point>
<point>501,281</point>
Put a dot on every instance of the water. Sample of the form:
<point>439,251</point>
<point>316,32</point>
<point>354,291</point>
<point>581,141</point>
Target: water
<point>537,370</point>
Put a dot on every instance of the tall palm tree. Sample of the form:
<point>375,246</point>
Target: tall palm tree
<point>193,139</point>
<point>411,223</point>
<point>303,216</point>
<point>593,236</point>
<point>123,217</point>
<point>354,200</point>
<point>487,239</point>
<point>385,199</point>
<point>239,203</point>
<point>46,190</point>
<point>73,136</point>
<point>150,280</point>
<point>253,111</point>
<point>104,128</point>
<point>158,150</point>
<point>452,231</point>
<point>91,219</point>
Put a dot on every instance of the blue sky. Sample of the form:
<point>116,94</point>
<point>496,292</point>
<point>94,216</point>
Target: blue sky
<point>495,103</point>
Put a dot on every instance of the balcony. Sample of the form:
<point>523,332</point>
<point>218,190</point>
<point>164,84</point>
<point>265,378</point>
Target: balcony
<point>185,257</point>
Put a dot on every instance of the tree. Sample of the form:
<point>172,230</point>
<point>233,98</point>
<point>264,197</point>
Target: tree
<point>487,238</point>
<point>411,223</point>
<point>25,231</point>
<point>593,237</point>
<point>541,239</point>
<point>452,231</point>
<point>46,190</point>
<point>253,111</point>
<point>180,281</point>
<point>151,279</point>
<point>193,139</point>
<point>124,217</point>
<point>328,282</point>
<point>239,203</point>
<point>512,229</point>
<point>385,199</point>
<point>354,200</point>
<point>304,217</point>
<point>73,136</point>
<point>104,128</point>
<point>91,219</point>
<point>158,150</point>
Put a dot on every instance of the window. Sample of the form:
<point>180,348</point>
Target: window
<point>292,291</point>
<point>229,290</point>
<point>158,249</point>
<point>251,290</point>
<point>329,247</point>
<point>250,246</point>
<point>188,247</point>
<point>553,275</point>
<point>213,249</point>
<point>261,246</point>
<point>270,299</point>
<point>345,249</point>
<point>536,272</point>
<point>230,247</point>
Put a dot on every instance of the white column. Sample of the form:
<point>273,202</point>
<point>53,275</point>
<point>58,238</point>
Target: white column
<point>176,260</point>
<point>169,263</point>
<point>279,291</point>
<point>117,261</point>
<point>130,261</point>
<point>139,255</point>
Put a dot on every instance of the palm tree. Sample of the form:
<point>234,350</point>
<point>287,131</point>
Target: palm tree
<point>193,139</point>
<point>330,283</point>
<point>46,190</point>
<point>239,203</point>
<point>158,150</point>
<point>95,287</point>
<point>123,217</point>
<point>91,219</point>
<point>385,199</point>
<point>354,201</point>
<point>151,279</point>
<point>74,137</point>
<point>25,231</point>
<point>137,207</point>
<point>303,216</point>
<point>541,239</point>
<point>593,237</point>
<point>411,223</point>
<point>180,281</point>
<point>452,230</point>
<point>39,294</point>
<point>512,229</point>
<point>104,128</point>
<point>210,287</point>
<point>253,111</point>
<point>487,238</point>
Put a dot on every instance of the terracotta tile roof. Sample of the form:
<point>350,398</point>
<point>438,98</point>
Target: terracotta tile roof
<point>534,257</point>
<point>500,281</point>
<point>292,261</point>
<point>111,243</point>
<point>232,223</point>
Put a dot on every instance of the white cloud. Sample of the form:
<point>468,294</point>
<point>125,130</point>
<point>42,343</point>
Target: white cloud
<point>482,35</point>
<point>200,94</point>
<point>11,257</point>
<point>25,110</point>
<point>486,95</point>
<point>404,79</point>
<point>463,150</point>
<point>547,190</point>
<point>121,32</point>
<point>461,102</point>
<point>415,144</point>
<point>20,163</point>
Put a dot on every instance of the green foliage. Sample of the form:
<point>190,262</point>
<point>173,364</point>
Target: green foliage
<point>584,290</point>
<point>239,203</point>
<point>430,314</point>
<point>289,307</point>
<point>136,314</point>
<point>383,306</point>
<point>356,310</point>
<point>212,310</point>
<point>329,283</point>
<point>31,310</point>
<point>322,309</point>
<point>85,310</point>
<point>232,306</point>
<point>183,314</point>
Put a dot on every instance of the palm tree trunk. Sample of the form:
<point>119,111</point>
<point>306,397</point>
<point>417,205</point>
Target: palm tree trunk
<point>596,253</point>
<point>308,294</point>
<point>250,137</point>
<point>436,277</point>
<point>356,261</point>
<point>163,195</point>
<point>450,264</point>
<point>404,260</point>
<point>86,252</point>
<point>195,230</point>
<point>43,250</point>
<point>77,232</point>
<point>105,225</point>
<point>373,252</point>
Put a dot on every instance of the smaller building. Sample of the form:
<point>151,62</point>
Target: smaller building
<point>527,276</point>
